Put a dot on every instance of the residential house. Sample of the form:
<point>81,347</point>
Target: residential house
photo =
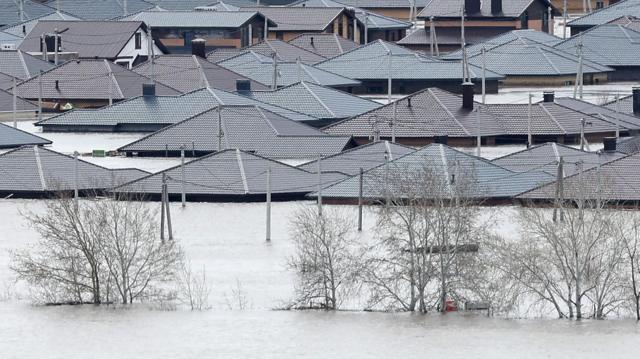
<point>325,45</point>
<point>582,6</point>
<point>100,9</point>
<point>127,43</point>
<point>397,9</point>
<point>12,137</point>
<point>283,51</point>
<point>605,15</point>
<point>13,13</point>
<point>24,110</point>
<point>11,36</point>
<point>629,105</point>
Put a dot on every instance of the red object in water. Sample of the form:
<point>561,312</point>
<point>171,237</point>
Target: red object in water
<point>450,306</point>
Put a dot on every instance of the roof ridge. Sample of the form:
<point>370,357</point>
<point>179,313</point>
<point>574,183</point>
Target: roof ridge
<point>448,112</point>
<point>318,98</point>
<point>552,118</point>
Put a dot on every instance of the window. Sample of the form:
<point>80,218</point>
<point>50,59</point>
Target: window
<point>524,20</point>
<point>138,39</point>
<point>599,4</point>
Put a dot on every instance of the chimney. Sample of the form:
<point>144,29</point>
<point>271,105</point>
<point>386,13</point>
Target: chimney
<point>467,96</point>
<point>148,90</point>
<point>243,86</point>
<point>636,101</point>
<point>472,7</point>
<point>312,44</point>
<point>198,48</point>
<point>610,144</point>
<point>549,96</point>
<point>50,42</point>
<point>57,85</point>
<point>496,7</point>
<point>408,101</point>
<point>443,140</point>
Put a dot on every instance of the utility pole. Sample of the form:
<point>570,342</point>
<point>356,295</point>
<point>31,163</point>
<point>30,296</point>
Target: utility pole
<point>463,46</point>
<point>529,136</point>
<point>559,191</point>
<point>15,103</point>
<point>269,204</point>
<point>319,186</point>
<point>55,49</point>
<point>40,96</point>
<point>220,134</point>
<point>583,139</point>
<point>564,17</point>
<point>550,24</point>
<point>124,8</point>
<point>58,5</point>
<point>184,195</point>
<point>110,77</point>
<point>21,10</point>
<point>266,28</point>
<point>75,178</point>
<point>165,209</point>
<point>150,53</point>
<point>360,200</point>
<point>299,67</point>
<point>366,27</point>
<point>394,120</point>
<point>579,77</point>
<point>43,47</point>
<point>478,135</point>
<point>431,40</point>
<point>389,75</point>
<point>617,115</point>
<point>484,76</point>
<point>274,81</point>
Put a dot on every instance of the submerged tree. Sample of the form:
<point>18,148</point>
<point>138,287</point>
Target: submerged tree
<point>96,249</point>
<point>323,261</point>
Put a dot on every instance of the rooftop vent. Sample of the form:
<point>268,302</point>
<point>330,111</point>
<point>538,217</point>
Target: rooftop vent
<point>549,96</point>
<point>198,48</point>
<point>148,90</point>
<point>467,96</point>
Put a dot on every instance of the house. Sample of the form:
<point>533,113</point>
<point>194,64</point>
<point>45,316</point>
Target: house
<point>582,6</point>
<point>127,43</point>
<point>293,21</point>
<point>363,157</point>
<point>325,45</point>
<point>22,29</point>
<point>150,113</point>
<point>378,26</point>
<point>12,137</point>
<point>629,105</point>
<point>176,29</point>
<point>187,73</point>
<point>87,84</point>
<point>397,9</point>
<point>518,36</point>
<point>172,5</point>
<point>21,66</point>
<point>410,71</point>
<point>100,10</point>
<point>284,52</point>
<point>609,114</point>
<point>526,62</point>
<point>446,39</point>
<point>13,13</point>
<point>25,110</point>
<point>277,74</point>
<point>435,115</point>
<point>240,176</point>
<point>482,180</point>
<point>612,45</point>
<point>605,15</point>
<point>225,127</point>
<point>38,172</point>
<point>497,15</point>
<point>326,104</point>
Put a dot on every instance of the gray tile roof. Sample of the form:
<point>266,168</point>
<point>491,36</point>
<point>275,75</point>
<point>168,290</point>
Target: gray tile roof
<point>450,36</point>
<point>90,39</point>
<point>317,101</point>
<point>366,157</point>
<point>327,45</point>
<point>525,57</point>
<point>12,137</point>
<point>161,110</point>
<point>101,9</point>
<point>298,18</point>
<point>630,22</point>
<point>34,169</point>
<point>6,81</point>
<point>427,113</point>
<point>284,51</point>
<point>374,21</point>
<point>611,45</point>
<point>260,68</point>
<point>231,174</point>
<point>370,62</point>
<point>89,79</point>
<point>180,4</point>
<point>397,4</point>
<point>609,13</point>
<point>10,11</point>
<point>522,36</point>
<point>22,105</point>
<point>21,65</point>
<point>185,73</point>
<point>606,113</point>
<point>617,180</point>
<point>193,19</point>
<point>545,157</point>
<point>487,179</point>
<point>27,26</point>
<point>9,39</point>
<point>623,105</point>
<point>629,145</point>
<point>449,9</point>
<point>249,128</point>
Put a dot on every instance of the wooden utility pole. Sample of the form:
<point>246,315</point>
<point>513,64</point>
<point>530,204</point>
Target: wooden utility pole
<point>165,209</point>
<point>15,103</point>
<point>268,204</point>
<point>274,81</point>
<point>184,194</point>
<point>40,96</point>
<point>478,135</point>
<point>559,191</point>
<point>360,199</point>
<point>484,76</point>
<point>389,75</point>
<point>76,192</point>
<point>564,16</point>
<point>319,186</point>
<point>529,135</point>
<point>220,134</point>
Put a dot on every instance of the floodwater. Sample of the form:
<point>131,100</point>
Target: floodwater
<point>228,241</point>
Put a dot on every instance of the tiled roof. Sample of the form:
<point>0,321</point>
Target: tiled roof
<point>449,36</point>
<point>522,36</point>
<point>6,81</point>
<point>9,39</point>
<point>285,52</point>
<point>27,26</point>
<point>370,62</point>
<point>33,169</point>
<point>427,113</point>
<point>171,5</point>
<point>317,101</point>
<point>101,9</point>
<point>327,45</point>
<point>486,180</point>
<point>630,22</point>
<point>629,145</point>
<point>623,105</point>
<point>374,21</point>
<point>248,128</point>
<point>617,180</point>
<point>609,13</point>
<point>89,79</point>
<point>448,9</point>
<point>193,19</point>
<point>366,157</point>
<point>545,157</point>
<point>185,73</point>
<point>611,45</point>
<point>90,39</point>
<point>523,57</point>
<point>298,18</point>
<point>10,11</point>
<point>12,137</point>
<point>370,4</point>
<point>607,113</point>
<point>21,65</point>
<point>6,103</point>
<point>260,68</point>
<point>231,174</point>
<point>162,110</point>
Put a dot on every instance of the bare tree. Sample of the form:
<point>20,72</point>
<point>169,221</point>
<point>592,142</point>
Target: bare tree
<point>323,260</point>
<point>94,248</point>
<point>193,288</point>
<point>629,227</point>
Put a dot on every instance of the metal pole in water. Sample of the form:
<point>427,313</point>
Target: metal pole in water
<point>184,195</point>
<point>319,186</point>
<point>361,180</point>
<point>269,204</point>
